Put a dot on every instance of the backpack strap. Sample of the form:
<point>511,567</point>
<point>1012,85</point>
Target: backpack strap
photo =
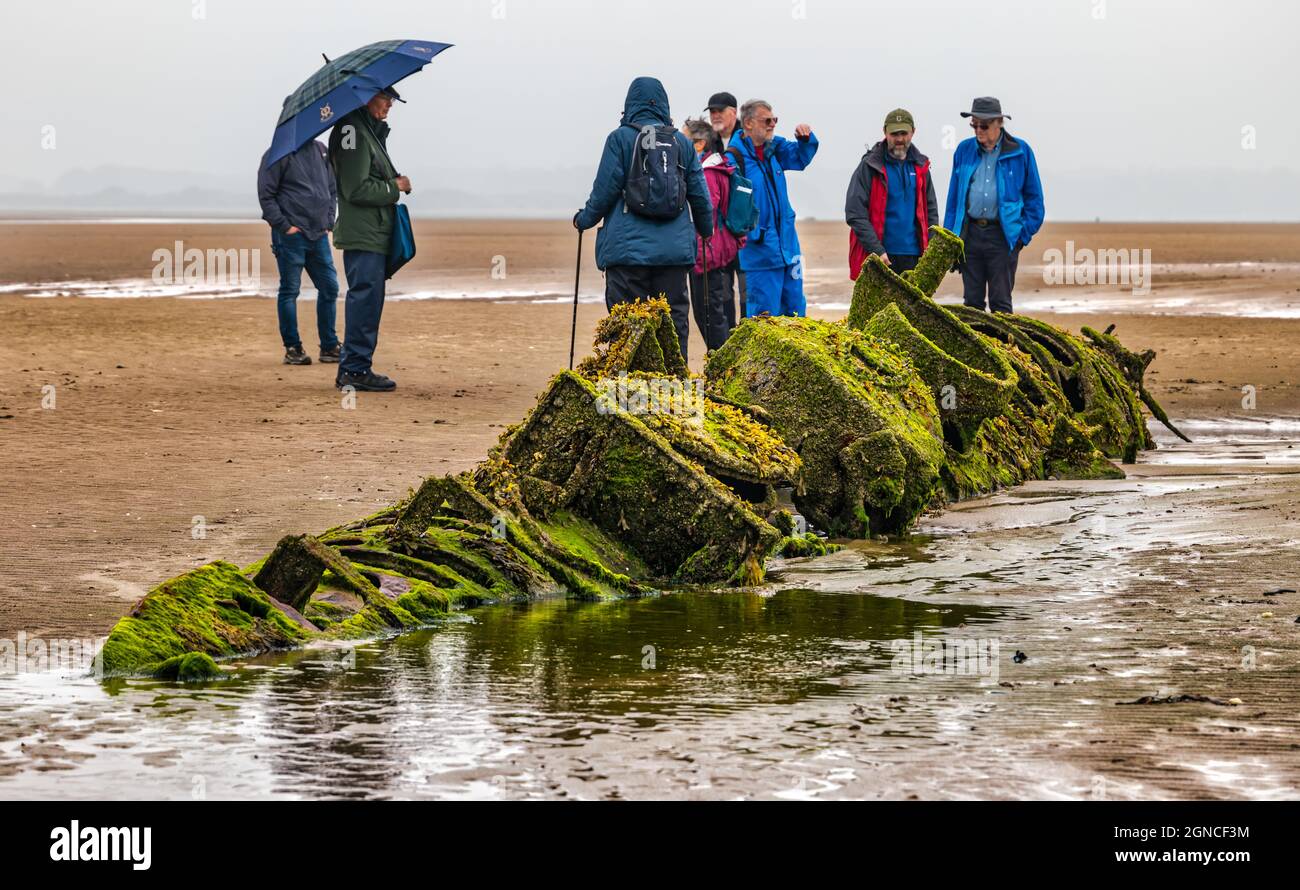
<point>738,158</point>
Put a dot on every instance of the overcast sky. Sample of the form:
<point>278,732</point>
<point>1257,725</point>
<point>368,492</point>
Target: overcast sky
<point>1135,108</point>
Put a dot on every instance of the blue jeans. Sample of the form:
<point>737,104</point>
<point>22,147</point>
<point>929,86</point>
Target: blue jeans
<point>774,291</point>
<point>362,309</point>
<point>293,253</point>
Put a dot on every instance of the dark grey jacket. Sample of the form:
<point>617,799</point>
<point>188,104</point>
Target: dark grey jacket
<point>299,190</point>
<point>870,168</point>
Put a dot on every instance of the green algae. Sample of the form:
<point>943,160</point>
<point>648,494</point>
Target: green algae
<point>192,667</point>
<point>943,250</point>
<point>805,545</point>
<point>202,611</point>
<point>866,428</point>
<point>626,478</point>
<point>637,336</point>
<point>632,474</point>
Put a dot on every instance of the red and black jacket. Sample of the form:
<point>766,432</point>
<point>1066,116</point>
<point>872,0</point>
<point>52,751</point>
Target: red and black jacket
<point>864,205</point>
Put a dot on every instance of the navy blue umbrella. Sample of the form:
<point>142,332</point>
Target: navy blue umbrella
<point>344,85</point>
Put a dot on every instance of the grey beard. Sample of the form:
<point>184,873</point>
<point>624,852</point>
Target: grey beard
<point>898,153</point>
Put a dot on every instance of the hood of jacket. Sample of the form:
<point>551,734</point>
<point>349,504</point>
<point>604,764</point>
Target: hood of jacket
<point>717,160</point>
<point>876,155</point>
<point>647,103</point>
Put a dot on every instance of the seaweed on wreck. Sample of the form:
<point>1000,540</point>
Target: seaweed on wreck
<point>631,474</point>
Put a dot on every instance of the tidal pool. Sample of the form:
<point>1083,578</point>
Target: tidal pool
<point>504,701</point>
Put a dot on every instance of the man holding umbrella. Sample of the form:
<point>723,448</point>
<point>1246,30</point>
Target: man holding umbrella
<point>368,188</point>
<point>353,94</point>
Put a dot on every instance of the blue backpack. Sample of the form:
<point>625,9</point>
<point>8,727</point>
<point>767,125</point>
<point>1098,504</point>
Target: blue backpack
<point>656,179</point>
<point>742,212</point>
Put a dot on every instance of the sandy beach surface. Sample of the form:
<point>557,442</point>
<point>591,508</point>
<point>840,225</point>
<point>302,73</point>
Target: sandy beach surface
<point>173,436</point>
<point>174,415</point>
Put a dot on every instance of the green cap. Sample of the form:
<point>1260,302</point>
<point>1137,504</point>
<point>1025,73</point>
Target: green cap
<point>898,120</point>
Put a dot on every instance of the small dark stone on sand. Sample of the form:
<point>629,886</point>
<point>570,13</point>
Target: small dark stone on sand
<point>1179,699</point>
<point>1019,657</point>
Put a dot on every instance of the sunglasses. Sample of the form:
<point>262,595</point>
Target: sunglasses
<point>980,125</point>
<point>768,121</point>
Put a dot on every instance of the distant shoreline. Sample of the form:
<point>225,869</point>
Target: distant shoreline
<point>1234,269</point>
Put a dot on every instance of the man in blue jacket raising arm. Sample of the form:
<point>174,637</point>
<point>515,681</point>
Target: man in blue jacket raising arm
<point>648,175</point>
<point>771,258</point>
<point>995,202</point>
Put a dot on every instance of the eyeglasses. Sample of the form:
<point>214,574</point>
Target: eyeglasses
<point>768,121</point>
<point>981,125</point>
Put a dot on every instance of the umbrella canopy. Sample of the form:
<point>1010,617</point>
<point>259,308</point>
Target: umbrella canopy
<point>344,85</point>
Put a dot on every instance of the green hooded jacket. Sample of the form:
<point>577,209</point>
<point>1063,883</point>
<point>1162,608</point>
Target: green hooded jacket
<point>367,183</point>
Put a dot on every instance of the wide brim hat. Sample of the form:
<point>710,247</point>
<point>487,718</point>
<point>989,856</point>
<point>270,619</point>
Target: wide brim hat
<point>984,108</point>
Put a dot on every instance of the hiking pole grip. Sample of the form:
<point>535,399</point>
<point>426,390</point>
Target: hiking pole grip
<point>577,273</point>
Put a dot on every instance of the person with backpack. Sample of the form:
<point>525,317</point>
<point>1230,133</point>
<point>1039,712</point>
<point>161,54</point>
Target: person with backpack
<point>368,189</point>
<point>771,257</point>
<point>890,204</point>
<point>726,123</point>
<point>711,293</point>
<point>648,175</point>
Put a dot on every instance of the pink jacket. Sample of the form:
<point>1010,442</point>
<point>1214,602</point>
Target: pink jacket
<point>723,246</point>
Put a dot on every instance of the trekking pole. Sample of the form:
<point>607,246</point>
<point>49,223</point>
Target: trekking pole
<point>577,272</point>
<point>708,316</point>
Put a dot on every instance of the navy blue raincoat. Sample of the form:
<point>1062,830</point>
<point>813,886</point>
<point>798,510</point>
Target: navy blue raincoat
<point>625,238</point>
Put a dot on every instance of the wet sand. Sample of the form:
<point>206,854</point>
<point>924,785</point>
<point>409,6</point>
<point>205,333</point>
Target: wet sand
<point>1156,659</point>
<point>169,409</point>
<point>174,411</point>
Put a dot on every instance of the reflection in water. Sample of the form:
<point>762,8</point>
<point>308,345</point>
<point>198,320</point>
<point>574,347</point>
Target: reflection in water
<point>508,701</point>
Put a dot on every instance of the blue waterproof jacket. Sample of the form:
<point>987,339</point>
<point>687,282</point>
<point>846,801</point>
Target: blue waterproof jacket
<point>299,190</point>
<point>626,238</point>
<point>1020,191</point>
<point>773,243</point>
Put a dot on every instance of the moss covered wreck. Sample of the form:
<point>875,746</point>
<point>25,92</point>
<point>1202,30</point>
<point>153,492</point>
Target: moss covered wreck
<point>631,474</point>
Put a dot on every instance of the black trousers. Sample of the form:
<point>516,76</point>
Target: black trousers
<point>902,262</point>
<point>988,266</point>
<point>711,319</point>
<point>627,284</point>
